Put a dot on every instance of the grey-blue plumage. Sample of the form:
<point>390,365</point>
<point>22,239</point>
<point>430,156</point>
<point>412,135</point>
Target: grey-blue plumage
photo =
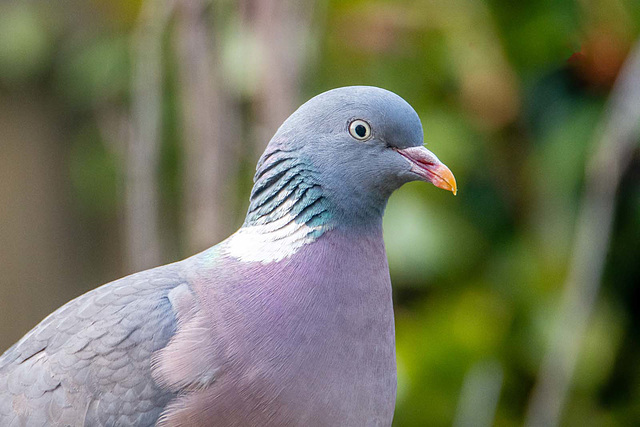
<point>287,322</point>
<point>88,362</point>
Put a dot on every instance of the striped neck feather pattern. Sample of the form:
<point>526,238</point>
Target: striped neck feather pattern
<point>287,210</point>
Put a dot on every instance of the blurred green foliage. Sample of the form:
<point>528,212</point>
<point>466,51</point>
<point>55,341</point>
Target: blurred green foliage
<point>477,277</point>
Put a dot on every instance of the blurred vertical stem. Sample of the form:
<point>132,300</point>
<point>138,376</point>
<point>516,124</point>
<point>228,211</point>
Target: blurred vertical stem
<point>209,131</point>
<point>618,138</point>
<point>480,394</point>
<point>143,247</point>
<point>282,31</point>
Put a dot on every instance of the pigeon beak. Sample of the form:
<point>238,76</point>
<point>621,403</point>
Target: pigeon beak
<point>426,165</point>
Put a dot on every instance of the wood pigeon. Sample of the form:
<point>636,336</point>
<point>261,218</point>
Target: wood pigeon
<point>289,321</point>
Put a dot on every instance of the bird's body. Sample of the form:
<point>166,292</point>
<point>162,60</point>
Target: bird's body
<point>318,351</point>
<point>234,337</point>
<point>287,322</point>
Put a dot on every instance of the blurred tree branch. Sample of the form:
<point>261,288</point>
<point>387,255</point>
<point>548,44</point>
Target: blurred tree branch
<point>209,118</point>
<point>281,29</point>
<point>143,245</point>
<point>616,142</point>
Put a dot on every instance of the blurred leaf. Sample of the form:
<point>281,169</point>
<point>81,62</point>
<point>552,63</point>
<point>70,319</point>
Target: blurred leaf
<point>601,344</point>
<point>24,43</point>
<point>423,241</point>
<point>91,73</point>
<point>436,346</point>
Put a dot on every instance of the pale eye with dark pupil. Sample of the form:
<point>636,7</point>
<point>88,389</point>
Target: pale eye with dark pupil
<point>360,130</point>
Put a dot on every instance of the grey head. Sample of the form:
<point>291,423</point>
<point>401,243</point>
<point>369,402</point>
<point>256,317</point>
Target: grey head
<point>337,159</point>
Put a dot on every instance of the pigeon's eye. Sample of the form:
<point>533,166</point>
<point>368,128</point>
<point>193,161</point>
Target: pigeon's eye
<point>359,129</point>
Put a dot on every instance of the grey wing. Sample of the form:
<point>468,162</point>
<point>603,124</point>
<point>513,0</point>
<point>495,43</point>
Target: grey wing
<point>89,362</point>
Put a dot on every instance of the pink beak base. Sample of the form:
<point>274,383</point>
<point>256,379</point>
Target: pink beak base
<point>425,164</point>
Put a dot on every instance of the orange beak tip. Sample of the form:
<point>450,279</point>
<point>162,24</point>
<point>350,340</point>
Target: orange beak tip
<point>443,178</point>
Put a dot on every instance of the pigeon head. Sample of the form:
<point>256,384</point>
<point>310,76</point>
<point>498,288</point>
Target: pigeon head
<point>337,159</point>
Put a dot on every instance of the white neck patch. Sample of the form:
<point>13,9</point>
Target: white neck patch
<point>269,242</point>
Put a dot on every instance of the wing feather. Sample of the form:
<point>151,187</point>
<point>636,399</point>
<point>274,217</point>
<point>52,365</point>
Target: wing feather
<point>89,362</point>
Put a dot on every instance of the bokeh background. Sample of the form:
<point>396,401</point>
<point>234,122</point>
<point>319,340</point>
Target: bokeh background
<point>129,132</point>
